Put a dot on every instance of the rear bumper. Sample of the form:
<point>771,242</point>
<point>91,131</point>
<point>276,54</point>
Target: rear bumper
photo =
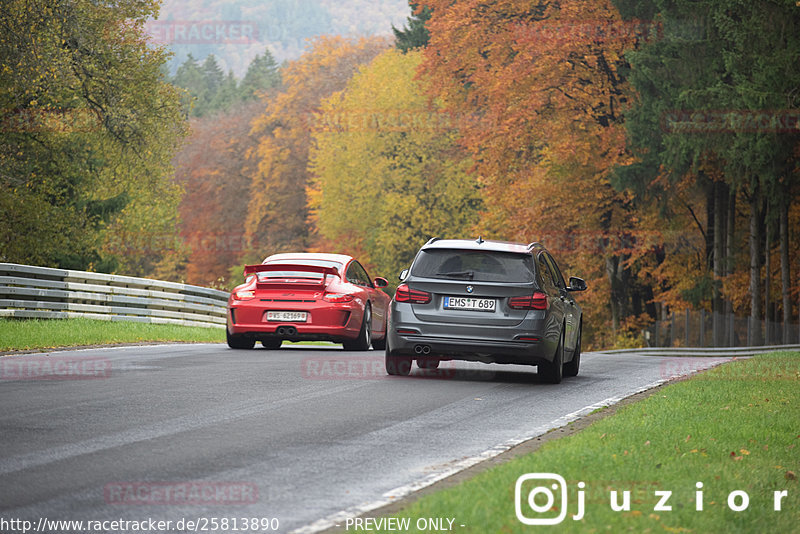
<point>409,336</point>
<point>324,323</point>
<point>478,350</point>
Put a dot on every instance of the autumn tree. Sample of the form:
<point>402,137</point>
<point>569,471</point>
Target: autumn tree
<point>276,218</point>
<point>546,81</point>
<point>713,96</point>
<point>387,171</point>
<point>88,129</point>
<point>213,170</point>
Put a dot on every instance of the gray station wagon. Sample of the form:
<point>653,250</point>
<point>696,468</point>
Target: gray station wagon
<point>485,301</point>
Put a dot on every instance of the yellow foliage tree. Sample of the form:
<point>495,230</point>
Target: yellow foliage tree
<point>388,173</point>
<point>276,213</point>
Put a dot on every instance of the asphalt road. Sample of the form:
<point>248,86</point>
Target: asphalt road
<point>190,432</point>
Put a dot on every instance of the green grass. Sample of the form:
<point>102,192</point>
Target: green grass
<point>25,334</point>
<point>735,427</point>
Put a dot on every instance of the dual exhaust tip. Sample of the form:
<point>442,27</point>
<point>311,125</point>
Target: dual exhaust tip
<point>287,331</point>
<point>422,349</point>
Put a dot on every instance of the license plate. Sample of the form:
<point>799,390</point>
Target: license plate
<point>287,316</point>
<point>469,303</point>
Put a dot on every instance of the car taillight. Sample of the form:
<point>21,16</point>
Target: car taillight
<point>537,301</point>
<point>337,297</point>
<point>406,294</point>
<point>244,295</point>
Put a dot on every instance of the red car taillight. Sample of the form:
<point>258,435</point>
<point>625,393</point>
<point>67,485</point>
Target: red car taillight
<point>537,301</point>
<point>337,297</point>
<point>414,296</point>
<point>244,295</point>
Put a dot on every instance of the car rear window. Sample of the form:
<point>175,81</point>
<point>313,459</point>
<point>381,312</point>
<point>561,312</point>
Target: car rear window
<point>477,265</point>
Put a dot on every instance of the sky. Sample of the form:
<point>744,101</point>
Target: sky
<point>235,31</point>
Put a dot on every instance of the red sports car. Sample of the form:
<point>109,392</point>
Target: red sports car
<point>298,297</point>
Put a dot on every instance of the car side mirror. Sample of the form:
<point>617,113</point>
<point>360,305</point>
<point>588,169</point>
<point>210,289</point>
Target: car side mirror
<point>380,282</point>
<point>403,274</point>
<point>576,284</point>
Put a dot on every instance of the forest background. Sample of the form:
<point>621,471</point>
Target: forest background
<point>652,145</point>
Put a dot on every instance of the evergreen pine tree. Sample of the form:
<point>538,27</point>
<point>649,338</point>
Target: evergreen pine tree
<point>415,34</point>
<point>262,74</point>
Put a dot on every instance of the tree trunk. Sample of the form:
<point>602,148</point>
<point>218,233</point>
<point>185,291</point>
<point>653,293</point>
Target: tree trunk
<point>729,244</point>
<point>767,276</point>
<point>718,260</point>
<point>755,267</point>
<point>612,268</point>
<point>785,274</point>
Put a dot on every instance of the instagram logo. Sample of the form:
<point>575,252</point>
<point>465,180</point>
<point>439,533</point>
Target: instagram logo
<point>537,505</point>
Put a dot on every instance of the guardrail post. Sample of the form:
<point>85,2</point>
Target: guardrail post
<point>703,328</point>
<point>686,326</point>
<point>672,330</point>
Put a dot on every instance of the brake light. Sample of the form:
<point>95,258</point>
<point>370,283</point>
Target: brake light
<point>537,301</point>
<point>244,295</point>
<point>337,297</point>
<point>414,296</point>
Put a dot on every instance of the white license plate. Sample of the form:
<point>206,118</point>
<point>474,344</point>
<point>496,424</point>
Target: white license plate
<point>469,303</point>
<point>287,316</point>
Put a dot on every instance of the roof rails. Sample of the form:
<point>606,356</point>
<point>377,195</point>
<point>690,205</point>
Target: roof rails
<point>534,244</point>
<point>433,240</point>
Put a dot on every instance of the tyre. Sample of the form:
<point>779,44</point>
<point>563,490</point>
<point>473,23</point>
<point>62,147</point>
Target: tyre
<point>272,344</point>
<point>572,367</point>
<point>364,339</point>
<point>554,371</point>
<point>428,364</point>
<point>397,365</point>
<point>239,341</point>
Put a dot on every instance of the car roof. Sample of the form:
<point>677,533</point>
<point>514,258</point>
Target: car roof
<point>300,256</point>
<point>480,244</point>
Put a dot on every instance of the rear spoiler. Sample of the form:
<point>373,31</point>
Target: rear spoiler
<point>261,268</point>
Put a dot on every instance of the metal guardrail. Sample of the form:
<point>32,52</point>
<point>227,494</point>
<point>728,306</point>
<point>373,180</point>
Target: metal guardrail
<point>41,292</point>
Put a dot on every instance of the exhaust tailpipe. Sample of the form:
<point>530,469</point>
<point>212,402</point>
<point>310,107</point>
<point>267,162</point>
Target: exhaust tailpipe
<point>426,349</point>
<point>418,349</point>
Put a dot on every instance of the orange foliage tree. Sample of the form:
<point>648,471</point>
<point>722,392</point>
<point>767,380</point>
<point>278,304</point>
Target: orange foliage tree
<point>214,172</point>
<point>544,81</point>
<point>276,219</point>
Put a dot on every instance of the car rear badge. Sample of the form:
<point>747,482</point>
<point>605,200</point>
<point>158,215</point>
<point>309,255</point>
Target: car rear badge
<point>470,289</point>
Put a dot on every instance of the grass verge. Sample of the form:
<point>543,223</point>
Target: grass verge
<point>733,428</point>
<point>27,334</point>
